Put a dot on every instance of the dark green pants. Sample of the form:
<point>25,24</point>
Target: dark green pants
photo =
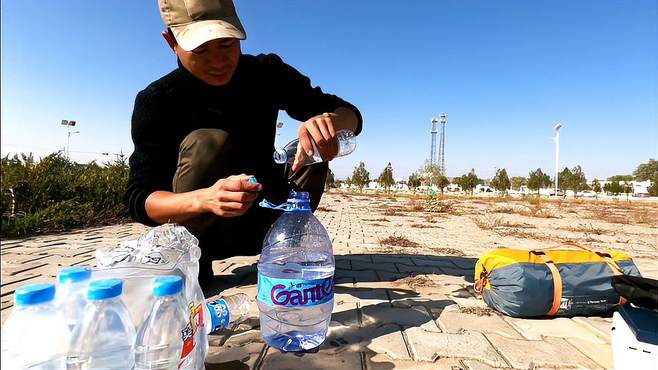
<point>207,155</point>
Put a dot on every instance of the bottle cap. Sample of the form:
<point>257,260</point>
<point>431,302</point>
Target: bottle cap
<point>252,179</point>
<point>167,285</point>
<point>34,294</point>
<point>74,274</point>
<point>104,289</point>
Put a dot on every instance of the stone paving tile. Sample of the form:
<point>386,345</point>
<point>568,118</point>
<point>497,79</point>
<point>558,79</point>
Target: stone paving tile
<point>452,320</point>
<point>415,316</point>
<point>239,357</point>
<point>600,353</point>
<point>428,346</point>
<point>562,327</point>
<point>277,360</point>
<point>550,352</point>
<point>382,362</point>
<point>600,326</point>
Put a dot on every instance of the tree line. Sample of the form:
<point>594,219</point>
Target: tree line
<point>573,179</point>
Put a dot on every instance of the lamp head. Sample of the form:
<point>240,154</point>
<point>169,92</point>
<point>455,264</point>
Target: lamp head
<point>558,126</point>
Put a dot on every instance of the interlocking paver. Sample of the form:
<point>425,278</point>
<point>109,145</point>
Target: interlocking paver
<point>452,320</point>
<point>428,346</point>
<point>550,352</point>
<point>394,307</point>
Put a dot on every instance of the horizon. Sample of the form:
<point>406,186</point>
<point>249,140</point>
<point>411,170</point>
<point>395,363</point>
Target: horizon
<point>503,73</point>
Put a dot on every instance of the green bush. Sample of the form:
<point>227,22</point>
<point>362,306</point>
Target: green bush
<point>55,194</point>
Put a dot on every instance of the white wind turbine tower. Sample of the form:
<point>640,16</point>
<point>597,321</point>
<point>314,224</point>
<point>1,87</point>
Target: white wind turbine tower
<point>557,128</point>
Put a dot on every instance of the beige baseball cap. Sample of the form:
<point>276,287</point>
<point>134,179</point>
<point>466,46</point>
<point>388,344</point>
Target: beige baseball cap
<point>194,22</point>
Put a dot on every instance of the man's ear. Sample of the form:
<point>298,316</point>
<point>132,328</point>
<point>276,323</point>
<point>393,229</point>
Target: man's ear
<point>170,40</point>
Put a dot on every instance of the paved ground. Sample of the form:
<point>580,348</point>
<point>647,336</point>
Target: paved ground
<point>409,305</point>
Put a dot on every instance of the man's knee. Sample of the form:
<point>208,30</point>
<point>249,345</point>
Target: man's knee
<point>203,146</point>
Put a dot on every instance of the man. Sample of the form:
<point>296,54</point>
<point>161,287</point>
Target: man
<point>203,130</point>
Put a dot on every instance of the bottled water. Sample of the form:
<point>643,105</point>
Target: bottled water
<point>35,336</point>
<point>159,343</point>
<point>226,312</point>
<point>295,279</point>
<point>71,296</point>
<point>106,336</point>
<point>346,145</point>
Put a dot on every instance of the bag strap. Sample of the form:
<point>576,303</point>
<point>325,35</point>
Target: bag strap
<point>607,258</point>
<point>557,281</point>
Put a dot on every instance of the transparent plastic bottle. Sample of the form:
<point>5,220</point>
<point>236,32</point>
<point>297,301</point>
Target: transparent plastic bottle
<point>227,312</point>
<point>159,343</point>
<point>106,336</point>
<point>35,335</point>
<point>346,145</point>
<point>71,296</point>
<point>295,279</point>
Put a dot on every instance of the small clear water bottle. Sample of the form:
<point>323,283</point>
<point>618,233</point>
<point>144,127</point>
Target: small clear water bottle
<point>227,312</point>
<point>346,145</point>
<point>295,278</point>
<point>159,343</point>
<point>71,296</point>
<point>35,335</point>
<point>106,336</point>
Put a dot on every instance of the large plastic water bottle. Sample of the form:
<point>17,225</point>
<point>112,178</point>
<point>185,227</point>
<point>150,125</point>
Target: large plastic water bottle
<point>346,145</point>
<point>295,279</point>
<point>159,343</point>
<point>35,335</point>
<point>71,296</point>
<point>106,336</point>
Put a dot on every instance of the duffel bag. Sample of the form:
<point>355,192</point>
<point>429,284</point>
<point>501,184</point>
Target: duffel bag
<point>555,281</point>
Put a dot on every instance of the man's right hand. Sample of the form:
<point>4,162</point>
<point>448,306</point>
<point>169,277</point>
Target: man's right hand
<point>229,197</point>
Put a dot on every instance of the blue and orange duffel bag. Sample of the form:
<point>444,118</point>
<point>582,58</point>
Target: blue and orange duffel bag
<point>551,282</point>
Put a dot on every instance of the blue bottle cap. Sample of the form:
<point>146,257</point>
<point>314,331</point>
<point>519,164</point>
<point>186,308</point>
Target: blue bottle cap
<point>34,294</point>
<point>167,285</point>
<point>252,179</point>
<point>74,274</point>
<point>104,289</point>
<point>299,201</point>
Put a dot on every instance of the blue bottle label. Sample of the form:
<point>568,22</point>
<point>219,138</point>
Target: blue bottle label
<point>221,316</point>
<point>294,292</point>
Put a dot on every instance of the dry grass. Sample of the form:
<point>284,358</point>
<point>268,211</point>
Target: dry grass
<point>478,311</point>
<point>448,251</point>
<point>441,206</point>
<point>416,205</point>
<point>325,209</point>
<point>586,228</point>
<point>425,226</point>
<point>392,212</point>
<point>488,222</point>
<point>416,281</point>
<point>377,219</point>
<point>399,241</point>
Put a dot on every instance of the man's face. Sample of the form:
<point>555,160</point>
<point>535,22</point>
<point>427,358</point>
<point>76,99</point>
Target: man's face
<point>214,62</point>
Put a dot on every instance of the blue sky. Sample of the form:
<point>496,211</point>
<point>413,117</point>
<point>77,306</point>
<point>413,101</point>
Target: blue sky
<point>503,71</point>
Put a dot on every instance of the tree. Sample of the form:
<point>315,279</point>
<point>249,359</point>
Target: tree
<point>596,187</point>
<point>414,181</point>
<point>577,182</point>
<point>468,182</point>
<point>500,181</point>
<point>330,182</point>
<point>613,188</point>
<point>646,171</point>
<point>518,181</point>
<point>537,180</point>
<point>564,179</point>
<point>620,178</point>
<point>653,188</point>
<point>430,173</point>
<point>385,179</point>
<point>442,182</point>
<point>360,176</point>
<point>627,188</point>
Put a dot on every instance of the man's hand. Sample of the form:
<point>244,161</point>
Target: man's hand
<point>229,197</point>
<point>319,129</point>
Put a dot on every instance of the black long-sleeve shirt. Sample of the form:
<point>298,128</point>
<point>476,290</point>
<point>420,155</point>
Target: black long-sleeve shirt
<point>247,108</point>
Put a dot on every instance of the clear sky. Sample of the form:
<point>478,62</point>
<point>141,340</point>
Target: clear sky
<point>503,71</point>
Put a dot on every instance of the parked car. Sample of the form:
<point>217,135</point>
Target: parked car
<point>587,194</point>
<point>641,195</point>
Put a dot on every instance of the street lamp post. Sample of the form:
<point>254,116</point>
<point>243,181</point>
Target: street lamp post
<point>557,128</point>
<point>68,125</point>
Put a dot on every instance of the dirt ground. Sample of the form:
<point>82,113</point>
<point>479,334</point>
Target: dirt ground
<point>471,226</point>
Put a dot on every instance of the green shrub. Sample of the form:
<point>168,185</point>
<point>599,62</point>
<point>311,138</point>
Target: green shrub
<point>55,194</point>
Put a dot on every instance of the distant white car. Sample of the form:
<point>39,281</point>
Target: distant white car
<point>587,194</point>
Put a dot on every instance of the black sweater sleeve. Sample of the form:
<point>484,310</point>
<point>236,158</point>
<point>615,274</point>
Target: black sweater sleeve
<point>151,164</point>
<point>295,95</point>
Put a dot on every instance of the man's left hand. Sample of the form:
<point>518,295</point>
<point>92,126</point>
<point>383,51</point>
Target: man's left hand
<point>320,129</point>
